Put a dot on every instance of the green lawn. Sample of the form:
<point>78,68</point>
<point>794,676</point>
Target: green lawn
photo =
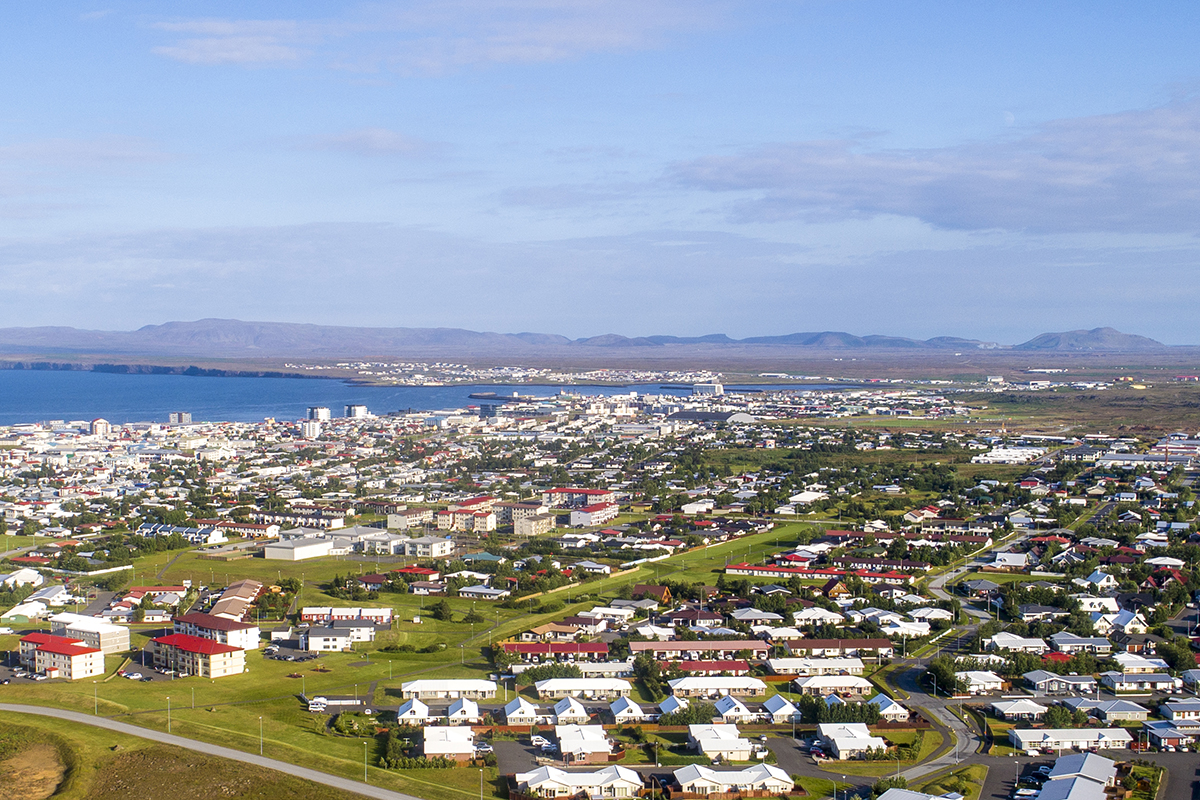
<point>817,788</point>
<point>881,769</point>
<point>967,781</point>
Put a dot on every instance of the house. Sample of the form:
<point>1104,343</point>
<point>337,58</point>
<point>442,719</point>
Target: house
<point>412,712</point>
<point>520,711</point>
<point>582,687</point>
<point>448,741</point>
<point>720,741</point>
<point>848,739</point>
<point>570,711</point>
<point>552,782</point>
<point>583,744</point>
<point>108,637</point>
<point>227,631</point>
<point>1142,682</point>
<point>1095,768</point>
<point>325,639</point>
<point>693,618</point>
<point>700,780</point>
<point>558,651</point>
<point>660,594</point>
<point>1069,738</point>
<point>1009,562</point>
<point>1019,710</point>
<point>193,655</point>
<point>1018,644</point>
<point>1033,612</point>
<point>780,710</point>
<point>1101,580</point>
<point>817,616</point>
<point>753,616</point>
<point>716,686</point>
<point>672,705</point>
<point>707,649</point>
<point>463,711</point>
<point>1134,664</point>
<point>889,709</point>
<point>449,688</point>
<point>625,711</point>
<point>1175,733</point>
<point>60,656</point>
<point>981,682</point>
<point>22,577</point>
<point>1069,643</point>
<point>483,593</point>
<point>823,685</point>
<point>863,648</point>
<point>816,666</point>
<point>1045,682</point>
<point>1181,709</point>
<point>732,711</point>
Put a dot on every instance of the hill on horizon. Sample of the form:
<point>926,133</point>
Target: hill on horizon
<point>225,338</point>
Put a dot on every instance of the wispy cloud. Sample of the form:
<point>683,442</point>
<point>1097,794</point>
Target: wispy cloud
<point>76,152</point>
<point>245,42</point>
<point>435,36</point>
<point>1133,172</point>
<point>373,142</point>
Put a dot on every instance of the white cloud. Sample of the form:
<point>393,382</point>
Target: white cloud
<point>98,151</point>
<point>1134,172</point>
<point>373,142</point>
<point>435,36</point>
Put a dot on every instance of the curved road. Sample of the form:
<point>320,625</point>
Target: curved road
<point>213,750</point>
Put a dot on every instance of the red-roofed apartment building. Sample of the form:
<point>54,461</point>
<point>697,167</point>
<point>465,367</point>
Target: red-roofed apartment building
<point>192,655</point>
<point>60,656</point>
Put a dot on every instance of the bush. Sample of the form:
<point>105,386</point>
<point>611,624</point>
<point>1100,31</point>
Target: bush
<point>544,672</point>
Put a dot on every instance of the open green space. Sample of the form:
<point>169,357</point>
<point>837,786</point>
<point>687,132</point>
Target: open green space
<point>967,781</point>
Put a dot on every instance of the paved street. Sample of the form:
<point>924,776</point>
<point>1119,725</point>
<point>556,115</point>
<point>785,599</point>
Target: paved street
<point>212,750</point>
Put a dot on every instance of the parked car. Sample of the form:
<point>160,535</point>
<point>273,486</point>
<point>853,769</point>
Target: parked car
<point>539,741</point>
<point>483,747</point>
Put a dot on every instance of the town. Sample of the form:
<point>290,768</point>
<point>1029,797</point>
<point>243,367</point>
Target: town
<point>618,596</point>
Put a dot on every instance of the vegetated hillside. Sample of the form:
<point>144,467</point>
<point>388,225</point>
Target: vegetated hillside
<point>1097,339</point>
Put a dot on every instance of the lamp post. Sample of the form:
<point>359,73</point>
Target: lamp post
<point>656,754</point>
<point>260,736</point>
<point>481,784</point>
<point>364,762</point>
<point>168,715</point>
<point>95,700</point>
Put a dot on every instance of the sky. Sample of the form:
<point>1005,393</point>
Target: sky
<point>991,170</point>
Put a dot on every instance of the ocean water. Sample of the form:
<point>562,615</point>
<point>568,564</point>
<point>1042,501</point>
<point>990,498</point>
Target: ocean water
<point>39,395</point>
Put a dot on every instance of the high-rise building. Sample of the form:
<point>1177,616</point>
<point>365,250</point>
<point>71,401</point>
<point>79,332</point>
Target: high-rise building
<point>179,418</point>
<point>101,427</point>
<point>310,429</point>
<point>319,413</point>
<point>357,412</point>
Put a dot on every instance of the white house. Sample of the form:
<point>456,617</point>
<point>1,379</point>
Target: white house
<point>520,711</point>
<point>413,712</point>
<point>889,709</point>
<point>22,577</point>
<point>446,741</point>
<point>1017,644</point>
<point>1181,709</point>
<point>463,711</point>
<point>720,741</point>
<point>816,666</point>
<point>780,710</point>
<point>449,688</point>
<point>570,711</point>
<point>1018,710</point>
<point>981,682</point>
<point>716,686</point>
<point>625,711</point>
<point>849,739</point>
<point>582,742</point>
<point>730,710</point>
<point>552,782</point>
<point>1068,738</point>
<point>582,687</point>
<point>834,684</point>
<point>702,780</point>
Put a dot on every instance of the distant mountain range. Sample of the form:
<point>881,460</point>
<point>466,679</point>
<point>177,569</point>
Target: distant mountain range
<point>222,338</point>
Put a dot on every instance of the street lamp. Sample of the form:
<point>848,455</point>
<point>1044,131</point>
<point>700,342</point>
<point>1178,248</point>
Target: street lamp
<point>480,784</point>
<point>260,736</point>
<point>168,715</point>
<point>364,762</point>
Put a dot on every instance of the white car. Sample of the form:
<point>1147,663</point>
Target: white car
<point>133,676</point>
<point>539,741</point>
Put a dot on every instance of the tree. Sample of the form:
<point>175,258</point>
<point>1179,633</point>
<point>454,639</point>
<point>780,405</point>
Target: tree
<point>1058,717</point>
<point>442,611</point>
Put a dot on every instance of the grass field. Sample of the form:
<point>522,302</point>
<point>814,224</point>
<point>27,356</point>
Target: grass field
<point>881,769</point>
<point>817,788</point>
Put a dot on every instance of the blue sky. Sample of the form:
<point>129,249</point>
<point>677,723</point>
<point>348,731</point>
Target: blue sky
<point>991,170</point>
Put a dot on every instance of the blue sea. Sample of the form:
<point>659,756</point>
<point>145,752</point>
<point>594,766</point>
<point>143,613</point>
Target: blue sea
<point>40,395</point>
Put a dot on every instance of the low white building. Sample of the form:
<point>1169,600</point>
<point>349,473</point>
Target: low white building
<point>463,711</point>
<point>625,711</point>
<point>849,739</point>
<point>520,711</point>
<point>552,782</point>
<point>732,711</point>
<point>1017,644</point>
<point>716,686</point>
<point>1068,738</point>
<point>449,688</point>
<point>412,712</point>
<point>980,681</point>
<point>780,710</point>
<point>583,687</point>
<point>583,743</point>
<point>720,741</point>
<point>834,684</point>
<point>1021,709</point>
<point>816,666</point>
<point>889,709</point>
<point>702,780</point>
<point>447,741</point>
<point>570,711</point>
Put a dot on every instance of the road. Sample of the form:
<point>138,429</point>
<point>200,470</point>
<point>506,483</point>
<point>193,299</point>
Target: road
<point>313,775</point>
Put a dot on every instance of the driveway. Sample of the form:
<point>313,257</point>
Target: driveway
<point>512,757</point>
